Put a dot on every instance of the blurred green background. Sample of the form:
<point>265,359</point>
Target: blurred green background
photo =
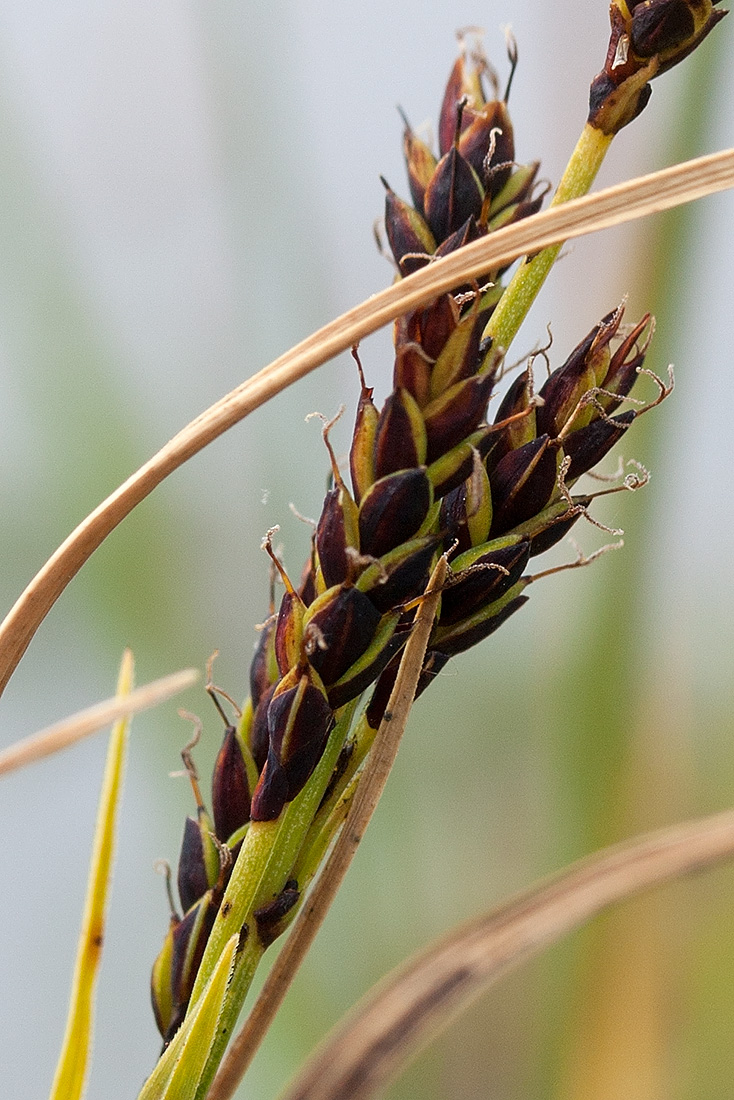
<point>185,191</point>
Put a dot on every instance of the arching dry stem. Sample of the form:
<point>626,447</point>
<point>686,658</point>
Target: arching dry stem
<point>604,209</point>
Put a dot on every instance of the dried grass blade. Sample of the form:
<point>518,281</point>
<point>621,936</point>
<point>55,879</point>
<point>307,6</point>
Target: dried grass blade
<point>418,1000</point>
<point>89,721</point>
<point>601,210</point>
<point>371,785</point>
<point>76,1049</point>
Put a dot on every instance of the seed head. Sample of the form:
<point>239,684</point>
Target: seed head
<point>230,787</point>
<point>648,37</point>
<point>175,969</point>
<point>473,185</point>
<point>431,472</point>
<point>299,719</point>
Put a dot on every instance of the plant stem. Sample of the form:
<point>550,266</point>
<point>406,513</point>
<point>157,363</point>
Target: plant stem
<point>318,840</point>
<point>368,793</point>
<point>525,284</point>
<point>266,858</point>
<point>362,738</point>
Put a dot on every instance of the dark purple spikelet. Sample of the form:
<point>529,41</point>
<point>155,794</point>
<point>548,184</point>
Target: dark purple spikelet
<point>587,447</point>
<point>584,369</point>
<point>410,238</point>
<point>491,155</point>
<point>522,484</point>
<point>517,407</point>
<point>557,529</point>
<point>646,40</point>
<point>230,788</point>
<point>400,439</point>
<point>198,864</point>
<point>429,328</point>
<point>263,667</point>
<point>362,451</point>
<point>399,575</point>
<point>420,164</point>
<point>337,536</point>
<point>624,366</point>
<point>299,721</point>
<point>259,736</point>
<point>175,969</point>
<point>393,510</point>
<point>331,540</point>
<point>189,941</point>
<point>192,877</point>
<point>289,630</point>
<point>453,196</point>
<point>661,26</point>
<point>466,511</point>
<point>480,578</point>
<point>389,640</point>
<point>456,413</point>
<point>463,354</point>
<point>338,630</point>
<point>467,633</point>
<point>307,585</point>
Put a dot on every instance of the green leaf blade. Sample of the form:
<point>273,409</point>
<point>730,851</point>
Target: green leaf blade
<point>179,1070</point>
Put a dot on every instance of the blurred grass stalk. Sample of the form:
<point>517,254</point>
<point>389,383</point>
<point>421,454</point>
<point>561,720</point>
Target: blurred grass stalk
<point>625,765</point>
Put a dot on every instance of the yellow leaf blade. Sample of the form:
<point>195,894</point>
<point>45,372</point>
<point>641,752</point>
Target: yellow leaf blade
<point>72,1066</point>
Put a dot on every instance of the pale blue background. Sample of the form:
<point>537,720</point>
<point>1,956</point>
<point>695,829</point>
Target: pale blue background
<point>186,189</point>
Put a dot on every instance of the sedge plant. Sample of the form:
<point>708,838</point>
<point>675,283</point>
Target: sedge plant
<point>425,546</point>
<point>431,476</point>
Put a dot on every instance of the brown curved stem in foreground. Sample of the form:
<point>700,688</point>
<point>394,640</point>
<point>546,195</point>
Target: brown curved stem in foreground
<point>419,999</point>
<point>623,202</point>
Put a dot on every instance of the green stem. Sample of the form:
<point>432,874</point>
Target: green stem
<point>525,284</point>
<point>320,836</point>
<point>263,866</point>
<point>307,864</point>
<point>362,738</point>
<point>242,895</point>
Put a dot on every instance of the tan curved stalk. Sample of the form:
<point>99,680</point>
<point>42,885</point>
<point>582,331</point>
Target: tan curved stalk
<point>419,999</point>
<point>623,202</point>
<point>86,722</point>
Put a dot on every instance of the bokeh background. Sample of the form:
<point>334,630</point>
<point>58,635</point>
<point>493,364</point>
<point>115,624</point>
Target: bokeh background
<point>186,189</point>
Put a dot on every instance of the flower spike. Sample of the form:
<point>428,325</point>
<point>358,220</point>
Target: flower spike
<point>434,479</point>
